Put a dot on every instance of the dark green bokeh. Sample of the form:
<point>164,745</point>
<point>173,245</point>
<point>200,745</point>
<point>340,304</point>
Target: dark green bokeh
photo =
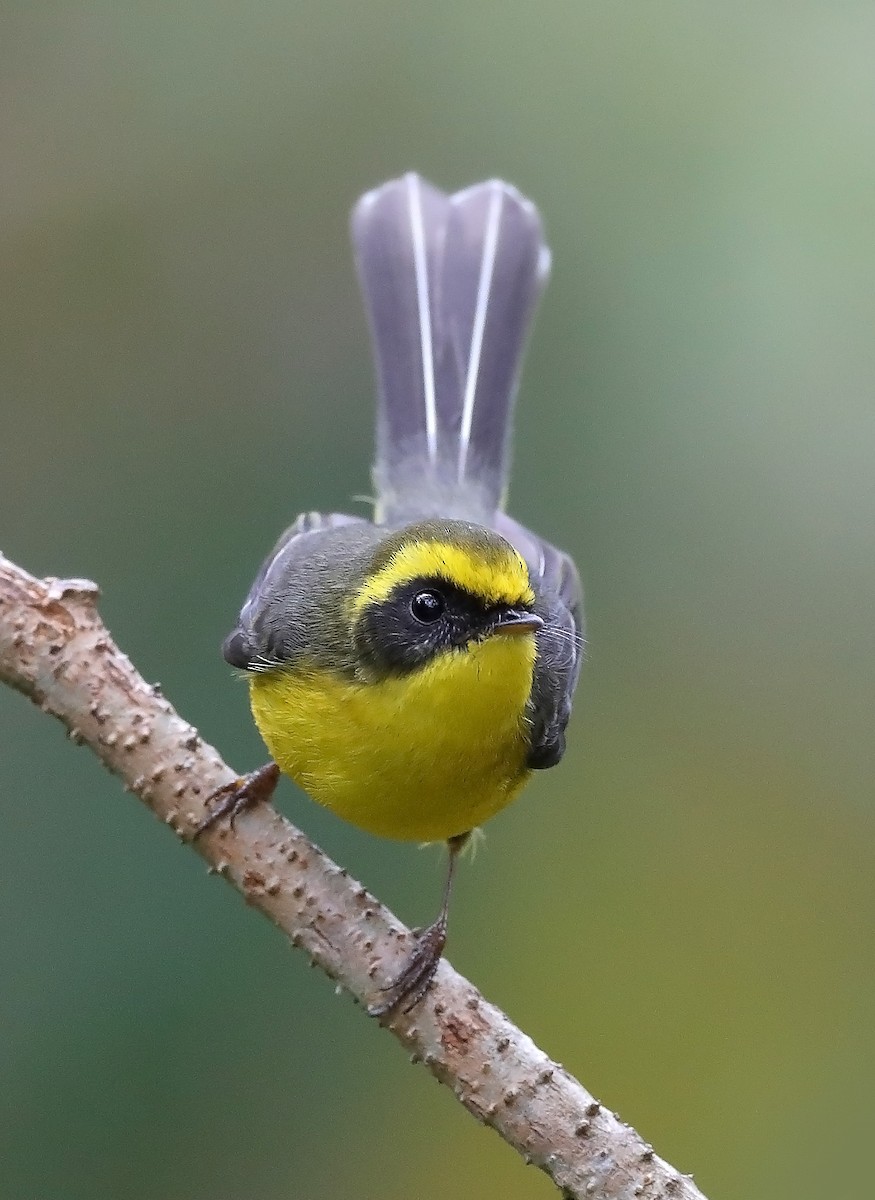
<point>683,912</point>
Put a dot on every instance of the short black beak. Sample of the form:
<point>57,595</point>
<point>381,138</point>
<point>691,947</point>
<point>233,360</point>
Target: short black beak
<point>514,620</point>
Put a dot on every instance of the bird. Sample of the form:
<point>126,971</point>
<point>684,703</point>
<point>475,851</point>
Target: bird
<point>410,671</point>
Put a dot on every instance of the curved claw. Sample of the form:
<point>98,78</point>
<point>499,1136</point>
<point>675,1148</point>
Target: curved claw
<point>234,798</point>
<point>413,981</point>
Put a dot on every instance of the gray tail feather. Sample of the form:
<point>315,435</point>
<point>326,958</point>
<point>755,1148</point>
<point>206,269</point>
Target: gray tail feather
<point>450,284</point>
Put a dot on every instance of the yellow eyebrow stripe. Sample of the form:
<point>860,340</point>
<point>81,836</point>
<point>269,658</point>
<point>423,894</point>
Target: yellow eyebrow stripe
<point>494,579</point>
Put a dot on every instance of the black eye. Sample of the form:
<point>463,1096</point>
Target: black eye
<point>427,606</point>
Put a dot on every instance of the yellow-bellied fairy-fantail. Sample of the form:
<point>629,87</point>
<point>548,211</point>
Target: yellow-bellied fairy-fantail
<point>410,671</point>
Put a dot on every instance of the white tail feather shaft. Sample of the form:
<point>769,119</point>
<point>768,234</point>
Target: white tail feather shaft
<point>420,266</point>
<point>484,286</point>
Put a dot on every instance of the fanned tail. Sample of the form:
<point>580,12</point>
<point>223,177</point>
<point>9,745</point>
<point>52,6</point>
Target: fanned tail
<point>451,284</point>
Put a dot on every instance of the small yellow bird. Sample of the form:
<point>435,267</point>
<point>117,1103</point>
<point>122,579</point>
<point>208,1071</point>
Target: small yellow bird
<point>410,672</point>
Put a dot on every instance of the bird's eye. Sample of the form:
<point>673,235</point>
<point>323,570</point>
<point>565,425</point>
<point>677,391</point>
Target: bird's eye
<point>427,607</point>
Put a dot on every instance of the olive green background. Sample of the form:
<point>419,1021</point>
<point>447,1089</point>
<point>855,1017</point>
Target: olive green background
<point>682,913</point>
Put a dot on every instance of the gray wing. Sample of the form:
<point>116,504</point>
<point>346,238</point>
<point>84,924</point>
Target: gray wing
<point>264,635</point>
<point>559,601</point>
<point>560,655</point>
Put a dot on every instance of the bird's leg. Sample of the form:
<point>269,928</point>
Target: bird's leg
<point>232,799</point>
<point>413,981</point>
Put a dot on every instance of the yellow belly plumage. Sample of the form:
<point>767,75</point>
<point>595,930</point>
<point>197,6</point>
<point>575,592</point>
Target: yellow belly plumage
<point>418,757</point>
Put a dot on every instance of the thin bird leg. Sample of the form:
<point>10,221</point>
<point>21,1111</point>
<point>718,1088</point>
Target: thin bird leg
<point>234,798</point>
<point>413,981</point>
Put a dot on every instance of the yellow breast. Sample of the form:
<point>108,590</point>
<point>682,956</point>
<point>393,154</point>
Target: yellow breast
<point>419,757</point>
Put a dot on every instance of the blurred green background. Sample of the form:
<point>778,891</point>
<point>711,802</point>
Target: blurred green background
<point>682,913</point>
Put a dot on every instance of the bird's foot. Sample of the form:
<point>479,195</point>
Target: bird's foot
<point>234,798</point>
<point>413,981</point>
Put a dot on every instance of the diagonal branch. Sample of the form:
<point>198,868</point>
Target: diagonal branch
<point>55,649</point>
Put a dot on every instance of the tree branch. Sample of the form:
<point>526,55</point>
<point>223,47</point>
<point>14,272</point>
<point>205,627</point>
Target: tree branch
<point>55,649</point>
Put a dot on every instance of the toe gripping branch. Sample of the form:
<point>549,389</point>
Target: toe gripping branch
<point>410,985</point>
<point>406,990</point>
<point>234,798</point>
